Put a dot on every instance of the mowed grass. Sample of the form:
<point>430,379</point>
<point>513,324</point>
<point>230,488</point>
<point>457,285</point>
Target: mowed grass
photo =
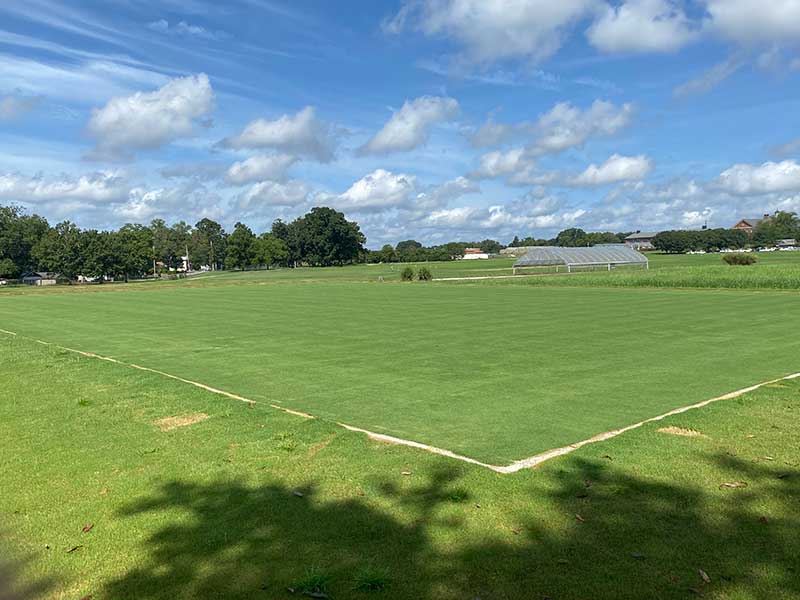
<point>251,502</point>
<point>493,373</point>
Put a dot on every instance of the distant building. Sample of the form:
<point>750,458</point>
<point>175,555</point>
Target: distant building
<point>748,225</point>
<point>474,254</point>
<point>786,243</point>
<point>41,278</point>
<point>641,240</point>
<point>515,250</point>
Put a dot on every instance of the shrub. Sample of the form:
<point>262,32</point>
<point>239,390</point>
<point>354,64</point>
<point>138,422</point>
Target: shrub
<point>407,274</point>
<point>424,274</point>
<point>739,259</point>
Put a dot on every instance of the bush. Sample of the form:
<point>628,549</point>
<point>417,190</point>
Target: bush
<point>739,259</point>
<point>407,274</point>
<point>424,274</point>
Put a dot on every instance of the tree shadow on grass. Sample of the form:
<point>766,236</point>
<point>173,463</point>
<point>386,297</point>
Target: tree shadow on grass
<point>592,530</point>
<point>14,585</point>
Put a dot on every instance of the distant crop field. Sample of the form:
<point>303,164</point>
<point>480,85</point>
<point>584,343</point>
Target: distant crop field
<point>494,373</point>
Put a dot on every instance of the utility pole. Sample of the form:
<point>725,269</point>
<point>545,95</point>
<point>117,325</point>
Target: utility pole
<point>154,261</point>
<point>213,262</point>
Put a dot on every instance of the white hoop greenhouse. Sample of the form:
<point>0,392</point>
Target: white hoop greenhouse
<point>602,255</point>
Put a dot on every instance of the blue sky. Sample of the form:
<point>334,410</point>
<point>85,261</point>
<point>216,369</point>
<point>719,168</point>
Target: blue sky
<point>426,119</point>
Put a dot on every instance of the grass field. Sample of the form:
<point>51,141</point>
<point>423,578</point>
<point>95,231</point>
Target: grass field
<point>493,373</point>
<point>251,502</point>
<point>245,501</point>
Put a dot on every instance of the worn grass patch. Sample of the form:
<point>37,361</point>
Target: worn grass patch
<point>170,423</point>
<point>681,431</point>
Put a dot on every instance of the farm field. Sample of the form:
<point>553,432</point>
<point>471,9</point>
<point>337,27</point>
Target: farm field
<point>493,373</point>
<point>253,502</point>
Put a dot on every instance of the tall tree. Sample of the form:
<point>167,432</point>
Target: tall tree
<point>60,250</point>
<point>207,244</point>
<point>240,251</point>
<point>269,250</point>
<point>323,237</point>
<point>19,233</point>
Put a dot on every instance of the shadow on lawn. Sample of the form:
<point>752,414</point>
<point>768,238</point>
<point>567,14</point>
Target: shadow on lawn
<point>592,530</point>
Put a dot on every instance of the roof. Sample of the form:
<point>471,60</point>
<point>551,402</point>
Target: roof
<point>39,274</point>
<point>473,251</point>
<point>752,222</point>
<point>594,255</point>
<point>642,235</point>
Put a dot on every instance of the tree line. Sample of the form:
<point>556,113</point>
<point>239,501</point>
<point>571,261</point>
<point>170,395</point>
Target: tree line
<point>782,225</point>
<point>322,237</point>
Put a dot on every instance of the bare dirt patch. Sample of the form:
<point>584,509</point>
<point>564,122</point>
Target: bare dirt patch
<point>672,430</point>
<point>170,423</point>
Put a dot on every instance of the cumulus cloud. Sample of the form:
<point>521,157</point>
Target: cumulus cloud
<point>615,169</point>
<point>566,126</point>
<point>13,106</point>
<point>641,26</point>
<point>493,30</point>
<point>499,164</point>
<point>755,21</point>
<point>769,177</point>
<point>272,193</point>
<point>302,134</point>
<point>100,187</point>
<point>409,127</point>
<point>377,191</point>
<point>150,119</point>
<point>452,217</point>
<point>260,168</point>
<point>440,195</point>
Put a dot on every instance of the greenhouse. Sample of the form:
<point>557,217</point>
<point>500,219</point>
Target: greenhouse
<point>606,256</point>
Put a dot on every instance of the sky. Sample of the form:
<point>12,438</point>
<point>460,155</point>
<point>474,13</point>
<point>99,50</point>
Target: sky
<point>435,120</point>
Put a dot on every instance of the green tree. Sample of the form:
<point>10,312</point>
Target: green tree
<point>490,246</point>
<point>269,250</point>
<point>323,237</point>
<point>207,244</point>
<point>60,250</point>
<point>387,254</point>
<point>240,251</point>
<point>19,233</point>
<point>132,251</point>
<point>781,225</point>
<point>572,237</point>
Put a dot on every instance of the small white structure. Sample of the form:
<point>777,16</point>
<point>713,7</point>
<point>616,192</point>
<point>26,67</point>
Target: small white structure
<point>474,254</point>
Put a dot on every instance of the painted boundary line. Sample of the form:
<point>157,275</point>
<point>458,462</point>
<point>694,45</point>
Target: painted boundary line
<point>525,463</point>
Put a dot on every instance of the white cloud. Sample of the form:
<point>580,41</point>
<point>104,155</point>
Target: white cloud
<point>641,26</point>
<point>770,177</point>
<point>182,28</point>
<point>493,30</point>
<point>452,217</point>
<point>566,126</point>
<point>711,78</point>
<point>500,164</point>
<point>377,191</point>
<point>82,82</point>
<point>105,186</point>
<point>439,195</point>
<point>152,119</point>
<point>260,168</point>
<point>494,134</point>
<point>755,21</point>
<point>615,169</point>
<point>271,193</point>
<point>410,126</point>
<point>302,133</point>
<point>13,106</point>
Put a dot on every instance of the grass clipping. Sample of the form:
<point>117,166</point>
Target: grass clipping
<point>170,423</point>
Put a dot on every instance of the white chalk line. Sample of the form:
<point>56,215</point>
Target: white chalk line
<point>525,463</point>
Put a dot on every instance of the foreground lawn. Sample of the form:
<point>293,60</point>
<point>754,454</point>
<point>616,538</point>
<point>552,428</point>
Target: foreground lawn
<point>496,374</point>
<point>252,502</point>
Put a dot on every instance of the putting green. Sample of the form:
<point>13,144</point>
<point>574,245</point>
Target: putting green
<point>493,373</point>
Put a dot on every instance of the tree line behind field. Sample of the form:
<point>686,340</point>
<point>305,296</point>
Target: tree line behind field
<point>782,225</point>
<point>322,237</point>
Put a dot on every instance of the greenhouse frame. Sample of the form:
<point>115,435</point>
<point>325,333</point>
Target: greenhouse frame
<point>602,255</point>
